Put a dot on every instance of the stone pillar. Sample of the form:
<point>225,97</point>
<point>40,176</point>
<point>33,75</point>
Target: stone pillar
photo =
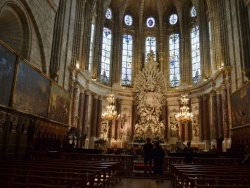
<point>85,117</point>
<point>99,115</point>
<point>110,126</point>
<point>94,117</point>
<point>220,133</point>
<point>225,112</point>
<point>118,121</point>
<point>206,122</point>
<point>165,121</point>
<point>100,19</point>
<point>74,112</point>
<point>134,119</point>
<point>57,41</point>
<point>225,117</point>
<point>200,119</point>
<point>206,117</point>
<point>78,32</point>
<point>214,117</point>
<point>80,111</point>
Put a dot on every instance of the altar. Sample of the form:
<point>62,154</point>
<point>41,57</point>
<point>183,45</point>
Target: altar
<point>149,85</point>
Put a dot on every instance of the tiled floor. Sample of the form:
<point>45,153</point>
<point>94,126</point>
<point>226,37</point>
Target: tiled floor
<point>143,183</point>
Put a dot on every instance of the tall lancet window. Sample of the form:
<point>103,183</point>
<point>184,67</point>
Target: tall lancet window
<point>127,57</point>
<point>210,41</point>
<point>91,50</point>
<point>127,54</point>
<point>150,43</point>
<point>195,48</point>
<point>174,50</point>
<point>106,51</point>
<point>174,54</point>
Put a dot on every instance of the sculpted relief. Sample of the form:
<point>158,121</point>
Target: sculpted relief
<point>149,86</point>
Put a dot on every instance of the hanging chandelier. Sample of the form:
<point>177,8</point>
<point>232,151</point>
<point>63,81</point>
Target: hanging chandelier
<point>110,113</point>
<point>184,115</point>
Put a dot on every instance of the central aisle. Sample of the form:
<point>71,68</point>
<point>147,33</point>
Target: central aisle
<point>142,183</point>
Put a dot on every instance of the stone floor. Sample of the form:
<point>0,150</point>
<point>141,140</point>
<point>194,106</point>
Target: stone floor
<point>143,183</point>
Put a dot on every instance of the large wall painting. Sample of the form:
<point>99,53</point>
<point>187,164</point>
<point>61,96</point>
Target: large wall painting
<point>240,106</point>
<point>31,94</point>
<point>7,69</point>
<point>59,104</point>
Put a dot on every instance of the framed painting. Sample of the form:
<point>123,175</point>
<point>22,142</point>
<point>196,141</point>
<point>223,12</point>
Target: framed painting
<point>59,104</point>
<point>32,90</point>
<point>7,71</point>
<point>240,106</point>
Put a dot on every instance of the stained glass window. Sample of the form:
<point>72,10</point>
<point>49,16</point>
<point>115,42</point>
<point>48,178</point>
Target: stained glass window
<point>195,48</point>
<point>108,14</point>
<point>150,22</point>
<point>174,60</point>
<point>91,44</point>
<point>150,45</point>
<point>128,20</point>
<point>106,51</point>
<point>127,58</point>
<point>193,12</point>
<point>173,19</point>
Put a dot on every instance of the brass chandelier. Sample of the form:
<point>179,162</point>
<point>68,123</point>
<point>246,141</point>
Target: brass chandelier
<point>110,113</point>
<point>184,115</point>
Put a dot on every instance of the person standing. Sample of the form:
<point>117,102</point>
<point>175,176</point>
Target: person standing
<point>147,152</point>
<point>158,158</point>
<point>188,154</point>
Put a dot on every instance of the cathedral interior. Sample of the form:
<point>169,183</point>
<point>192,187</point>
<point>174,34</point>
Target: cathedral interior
<point>116,71</point>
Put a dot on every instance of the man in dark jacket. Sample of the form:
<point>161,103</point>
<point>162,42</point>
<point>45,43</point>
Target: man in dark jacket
<point>158,157</point>
<point>147,151</point>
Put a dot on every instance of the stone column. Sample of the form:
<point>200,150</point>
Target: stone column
<point>78,32</point>
<point>220,133</point>
<point>225,117</point>
<point>225,112</point>
<point>57,41</point>
<point>134,119</point>
<point>214,117</point>
<point>206,122</point>
<point>110,130</point>
<point>118,121</point>
<point>200,119</point>
<point>80,111</point>
<point>165,121</point>
<point>85,116</point>
<point>74,113</point>
<point>99,114</point>
<point>100,19</point>
<point>94,116</point>
<point>206,117</point>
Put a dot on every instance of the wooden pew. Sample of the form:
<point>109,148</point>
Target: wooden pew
<point>108,174</point>
<point>184,173</point>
